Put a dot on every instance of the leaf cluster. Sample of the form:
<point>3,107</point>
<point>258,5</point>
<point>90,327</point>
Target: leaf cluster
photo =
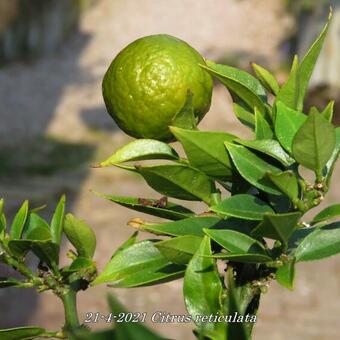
<point>253,190</point>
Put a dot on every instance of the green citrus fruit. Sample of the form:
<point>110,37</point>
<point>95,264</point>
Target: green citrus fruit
<point>146,85</point>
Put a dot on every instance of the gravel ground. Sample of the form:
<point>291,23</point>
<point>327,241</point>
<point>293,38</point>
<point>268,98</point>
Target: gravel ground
<point>61,96</point>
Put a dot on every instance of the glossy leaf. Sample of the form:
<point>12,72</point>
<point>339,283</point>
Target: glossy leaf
<point>243,206</point>
<point>287,182</point>
<point>285,275</point>
<point>252,168</point>
<point>246,117</point>
<point>38,233</point>
<point>57,222</point>
<point>185,118</point>
<point>129,330</point>
<point>140,264</point>
<point>179,250</point>
<point>327,214</point>
<point>80,263</point>
<point>206,151</point>
<point>278,226</point>
<point>170,211</point>
<point>269,147</point>
<point>178,181</point>
<point>194,226</point>
<point>128,243</point>
<point>328,170</point>
<point>321,243</point>
<point>328,111</point>
<point>267,79</point>
<point>288,93</point>
<point>34,221</point>
<point>239,82</point>
<point>308,62</point>
<point>141,149</point>
<point>19,221</point>
<point>239,245</point>
<point>18,333</point>
<point>202,285</point>
<point>189,226</point>
<point>287,123</point>
<point>80,235</point>
<point>262,128</point>
<point>314,142</point>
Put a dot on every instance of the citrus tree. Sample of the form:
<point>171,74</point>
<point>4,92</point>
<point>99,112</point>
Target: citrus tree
<point>251,228</point>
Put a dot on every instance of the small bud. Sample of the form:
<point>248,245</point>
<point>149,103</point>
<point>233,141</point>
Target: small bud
<point>318,186</point>
<point>136,223</point>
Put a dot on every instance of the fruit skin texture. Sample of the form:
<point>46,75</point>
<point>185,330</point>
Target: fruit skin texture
<point>146,85</point>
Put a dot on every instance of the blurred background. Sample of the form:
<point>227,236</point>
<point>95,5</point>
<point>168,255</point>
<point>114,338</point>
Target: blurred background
<point>53,126</point>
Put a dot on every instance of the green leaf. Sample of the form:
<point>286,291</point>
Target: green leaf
<point>288,93</point>
<point>239,82</point>
<point>202,286</point>
<point>269,147</point>
<point>19,222</point>
<point>243,206</point>
<point>328,170</point>
<point>287,123</point>
<point>44,249</point>
<point>236,297</point>
<point>86,334</point>
<point>267,79</point>
<point>246,117</point>
<point>252,168</point>
<point>185,118</point>
<point>328,111</point>
<point>34,221</point>
<point>327,214</point>
<point>80,263</point>
<point>80,235</point>
<point>285,275</point>
<point>287,182</point>
<point>308,62</point>
<point>8,282</point>
<point>278,226</point>
<point>140,264</point>
<point>38,233</point>
<point>194,226</point>
<point>205,151</point>
<point>179,250</point>
<point>170,211</point>
<point>241,247</point>
<point>321,243</point>
<point>128,243</point>
<point>21,333</point>
<point>262,128</point>
<point>314,143</point>
<point>129,330</point>
<point>189,226</point>
<point>141,149</point>
<point>178,181</point>
<point>57,221</point>
<point>2,220</point>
